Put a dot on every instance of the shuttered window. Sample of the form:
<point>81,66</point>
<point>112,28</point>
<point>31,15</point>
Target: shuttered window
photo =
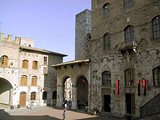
<point>129,34</point>
<point>33,95</point>
<point>35,65</point>
<point>25,64</point>
<point>4,61</point>
<point>156,27</point>
<point>23,80</point>
<point>34,81</point>
<point>107,41</point>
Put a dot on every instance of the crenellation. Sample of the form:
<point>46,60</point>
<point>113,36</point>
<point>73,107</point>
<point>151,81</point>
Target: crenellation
<point>9,38</point>
<point>17,40</point>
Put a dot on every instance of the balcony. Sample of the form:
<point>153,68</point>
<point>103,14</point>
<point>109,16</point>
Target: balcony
<point>128,47</point>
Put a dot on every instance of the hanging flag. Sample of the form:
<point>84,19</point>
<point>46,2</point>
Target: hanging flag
<point>83,81</point>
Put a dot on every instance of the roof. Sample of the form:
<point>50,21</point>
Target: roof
<point>71,62</point>
<point>40,50</point>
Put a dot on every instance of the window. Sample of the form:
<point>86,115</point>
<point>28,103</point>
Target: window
<point>35,65</point>
<point>128,3</point>
<point>129,34</point>
<point>107,41</point>
<point>33,95</point>
<point>129,77</point>
<point>156,27</point>
<point>4,61</point>
<point>156,76</point>
<point>34,81</point>
<point>106,10</point>
<point>44,95</point>
<point>25,64</point>
<point>45,60</point>
<point>106,78</point>
<point>23,80</point>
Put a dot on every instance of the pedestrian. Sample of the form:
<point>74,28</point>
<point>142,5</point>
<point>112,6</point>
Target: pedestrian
<point>65,106</point>
<point>63,115</point>
<point>51,103</point>
<point>32,105</point>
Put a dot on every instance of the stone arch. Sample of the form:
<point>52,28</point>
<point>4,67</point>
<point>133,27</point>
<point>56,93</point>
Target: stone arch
<point>6,91</point>
<point>82,92</point>
<point>105,67</point>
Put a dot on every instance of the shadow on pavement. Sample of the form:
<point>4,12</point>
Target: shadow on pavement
<point>5,116</point>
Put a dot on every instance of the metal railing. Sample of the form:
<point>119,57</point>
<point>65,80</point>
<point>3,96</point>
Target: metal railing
<point>151,107</point>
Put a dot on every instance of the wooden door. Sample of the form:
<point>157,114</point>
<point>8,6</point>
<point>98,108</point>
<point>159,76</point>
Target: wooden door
<point>22,100</point>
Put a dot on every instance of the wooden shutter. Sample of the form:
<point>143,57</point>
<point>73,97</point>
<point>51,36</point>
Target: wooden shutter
<point>25,64</point>
<point>34,81</point>
<point>23,81</point>
<point>35,65</point>
<point>33,96</point>
<point>133,103</point>
<point>4,62</point>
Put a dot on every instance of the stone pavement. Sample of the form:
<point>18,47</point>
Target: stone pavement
<point>46,113</point>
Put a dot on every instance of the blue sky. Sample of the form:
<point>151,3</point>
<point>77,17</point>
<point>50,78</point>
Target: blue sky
<point>51,23</point>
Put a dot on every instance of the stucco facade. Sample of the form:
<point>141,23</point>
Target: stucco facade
<point>17,51</point>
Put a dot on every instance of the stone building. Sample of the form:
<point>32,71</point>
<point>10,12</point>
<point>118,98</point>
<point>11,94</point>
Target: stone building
<point>119,59</point>
<point>26,75</point>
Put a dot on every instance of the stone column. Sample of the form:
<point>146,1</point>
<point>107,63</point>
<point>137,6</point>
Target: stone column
<point>59,95</point>
<point>74,97</point>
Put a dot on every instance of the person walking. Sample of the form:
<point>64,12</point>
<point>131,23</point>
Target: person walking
<point>63,115</point>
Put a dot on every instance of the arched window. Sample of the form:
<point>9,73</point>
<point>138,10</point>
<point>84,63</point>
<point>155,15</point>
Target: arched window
<point>23,80</point>
<point>44,97</point>
<point>34,81</point>
<point>106,9</point>
<point>25,64</point>
<point>107,41</point>
<point>156,76</point>
<point>35,65</point>
<point>129,77</point>
<point>33,95</point>
<point>4,61</point>
<point>156,27</point>
<point>128,3</point>
<point>106,78</point>
<point>129,34</point>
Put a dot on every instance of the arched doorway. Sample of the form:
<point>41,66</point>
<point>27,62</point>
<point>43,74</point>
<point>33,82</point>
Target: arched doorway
<point>22,100</point>
<point>82,92</point>
<point>67,91</point>
<point>5,92</point>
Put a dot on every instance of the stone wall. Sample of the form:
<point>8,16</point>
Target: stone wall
<point>83,27</point>
<point>143,60</point>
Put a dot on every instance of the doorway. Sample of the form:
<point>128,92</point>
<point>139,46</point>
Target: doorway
<point>22,100</point>
<point>107,101</point>
<point>130,103</point>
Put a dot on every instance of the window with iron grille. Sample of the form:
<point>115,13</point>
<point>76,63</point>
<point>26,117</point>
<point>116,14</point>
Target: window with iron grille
<point>156,76</point>
<point>23,80</point>
<point>107,41</point>
<point>33,95</point>
<point>4,61</point>
<point>34,81</point>
<point>129,77</point>
<point>128,3</point>
<point>156,27</point>
<point>44,97</point>
<point>106,78</point>
<point>45,60</point>
<point>106,10</point>
<point>35,65</point>
<point>129,34</point>
<point>25,64</point>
